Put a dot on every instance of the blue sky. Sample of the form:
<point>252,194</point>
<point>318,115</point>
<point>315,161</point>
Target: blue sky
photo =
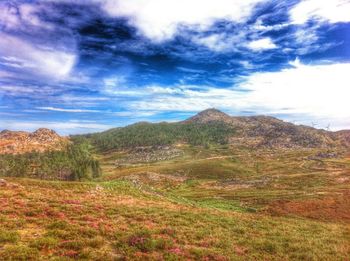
<point>97,64</point>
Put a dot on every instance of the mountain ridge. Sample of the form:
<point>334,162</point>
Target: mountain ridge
<point>210,126</point>
<point>213,126</point>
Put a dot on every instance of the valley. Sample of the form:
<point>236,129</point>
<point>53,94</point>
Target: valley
<point>213,187</point>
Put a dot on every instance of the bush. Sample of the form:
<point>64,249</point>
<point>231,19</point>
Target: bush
<point>8,236</point>
<point>44,243</point>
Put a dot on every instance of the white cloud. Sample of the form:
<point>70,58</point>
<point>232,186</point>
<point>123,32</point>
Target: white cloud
<point>222,42</point>
<point>36,59</point>
<point>160,19</point>
<point>185,99</point>
<point>317,90</point>
<point>13,90</point>
<point>317,93</point>
<point>64,109</point>
<point>63,128</point>
<point>332,11</point>
<point>215,42</point>
<point>261,45</point>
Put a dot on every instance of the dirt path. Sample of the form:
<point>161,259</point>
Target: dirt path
<point>217,157</point>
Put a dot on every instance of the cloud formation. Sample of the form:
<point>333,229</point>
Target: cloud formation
<point>114,62</point>
<point>314,91</point>
<point>64,109</point>
<point>35,59</point>
<point>334,11</point>
<point>160,20</point>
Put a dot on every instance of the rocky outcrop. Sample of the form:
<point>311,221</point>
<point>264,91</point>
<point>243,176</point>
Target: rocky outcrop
<point>18,142</point>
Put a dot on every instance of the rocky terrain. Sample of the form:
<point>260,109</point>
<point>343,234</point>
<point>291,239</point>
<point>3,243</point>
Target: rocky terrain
<point>265,131</point>
<point>344,136</point>
<point>213,127</point>
<point>148,154</point>
<point>41,140</point>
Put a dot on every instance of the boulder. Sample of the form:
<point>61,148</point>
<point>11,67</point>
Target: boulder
<point>3,183</point>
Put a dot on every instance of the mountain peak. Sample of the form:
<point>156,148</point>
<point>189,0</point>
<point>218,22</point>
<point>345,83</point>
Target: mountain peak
<point>17,142</point>
<point>210,115</point>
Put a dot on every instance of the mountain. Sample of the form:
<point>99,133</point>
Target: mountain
<point>19,142</point>
<point>212,126</point>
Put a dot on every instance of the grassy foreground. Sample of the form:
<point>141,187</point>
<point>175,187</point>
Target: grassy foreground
<point>208,204</point>
<point>114,221</point>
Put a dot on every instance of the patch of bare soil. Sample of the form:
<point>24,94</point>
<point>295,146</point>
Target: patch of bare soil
<point>155,179</point>
<point>335,208</point>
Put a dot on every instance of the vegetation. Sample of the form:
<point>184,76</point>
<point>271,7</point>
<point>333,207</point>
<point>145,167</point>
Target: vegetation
<point>148,134</point>
<point>76,162</point>
<point>207,204</point>
<point>117,221</point>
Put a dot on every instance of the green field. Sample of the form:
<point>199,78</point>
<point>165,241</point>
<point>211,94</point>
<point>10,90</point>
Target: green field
<point>215,203</point>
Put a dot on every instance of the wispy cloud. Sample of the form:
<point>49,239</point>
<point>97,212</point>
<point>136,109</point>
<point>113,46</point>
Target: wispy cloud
<point>63,128</point>
<point>65,109</point>
<point>36,59</point>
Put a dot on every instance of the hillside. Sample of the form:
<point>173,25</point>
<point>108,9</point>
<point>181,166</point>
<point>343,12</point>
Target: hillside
<point>41,140</point>
<point>212,187</point>
<point>44,154</point>
<point>212,127</point>
<point>162,134</point>
<point>344,136</point>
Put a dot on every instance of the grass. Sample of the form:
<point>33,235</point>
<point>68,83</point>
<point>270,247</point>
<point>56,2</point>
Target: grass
<point>75,222</point>
<point>245,206</point>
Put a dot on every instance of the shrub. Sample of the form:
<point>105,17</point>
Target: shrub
<point>8,236</point>
<point>44,243</point>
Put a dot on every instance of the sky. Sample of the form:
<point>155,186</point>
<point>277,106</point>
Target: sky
<point>89,65</point>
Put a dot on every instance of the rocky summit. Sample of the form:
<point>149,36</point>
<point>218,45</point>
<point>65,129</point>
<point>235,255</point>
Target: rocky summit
<point>210,115</point>
<point>266,131</point>
<point>19,142</point>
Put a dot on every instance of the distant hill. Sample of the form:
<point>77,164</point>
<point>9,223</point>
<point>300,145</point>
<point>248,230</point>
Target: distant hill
<point>344,136</point>
<point>46,155</point>
<point>212,126</point>
<point>41,140</point>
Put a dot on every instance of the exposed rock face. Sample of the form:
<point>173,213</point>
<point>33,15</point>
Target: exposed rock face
<point>18,142</point>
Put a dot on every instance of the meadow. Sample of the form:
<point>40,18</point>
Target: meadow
<point>215,203</point>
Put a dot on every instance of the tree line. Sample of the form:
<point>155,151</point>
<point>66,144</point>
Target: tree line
<point>76,162</point>
<point>148,134</point>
